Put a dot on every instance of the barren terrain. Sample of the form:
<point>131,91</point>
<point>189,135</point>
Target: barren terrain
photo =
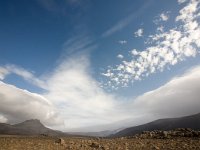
<point>52,143</point>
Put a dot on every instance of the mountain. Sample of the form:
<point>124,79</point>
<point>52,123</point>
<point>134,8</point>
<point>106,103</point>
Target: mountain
<point>192,122</point>
<point>35,127</point>
<point>29,127</point>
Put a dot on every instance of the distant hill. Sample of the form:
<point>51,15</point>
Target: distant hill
<point>29,127</point>
<point>94,134</point>
<point>192,122</point>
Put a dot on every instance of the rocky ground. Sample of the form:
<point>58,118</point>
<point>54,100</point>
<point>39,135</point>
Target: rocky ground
<point>180,139</point>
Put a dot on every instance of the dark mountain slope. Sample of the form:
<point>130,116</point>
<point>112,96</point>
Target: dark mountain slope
<point>29,127</point>
<point>192,122</point>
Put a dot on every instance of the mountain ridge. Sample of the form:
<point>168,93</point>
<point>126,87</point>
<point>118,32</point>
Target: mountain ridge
<point>29,127</point>
<point>192,121</point>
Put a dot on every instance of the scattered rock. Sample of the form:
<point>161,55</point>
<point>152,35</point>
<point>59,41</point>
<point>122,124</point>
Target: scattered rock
<point>180,132</point>
<point>60,141</point>
<point>156,148</point>
<point>165,134</point>
<point>96,145</point>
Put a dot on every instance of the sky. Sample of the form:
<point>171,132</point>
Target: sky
<point>83,65</point>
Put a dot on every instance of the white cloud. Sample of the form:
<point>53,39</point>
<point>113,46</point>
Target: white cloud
<point>160,28</point>
<point>28,76</point>
<point>3,73</point>
<point>182,1</point>
<point>164,17</point>
<point>122,42</point>
<point>120,56</point>
<point>164,49</point>
<point>176,98</point>
<point>70,88</point>
<point>139,32</point>
<point>77,44</point>
<point>3,119</point>
<point>96,107</point>
<point>18,105</point>
<point>79,97</point>
<point>134,52</point>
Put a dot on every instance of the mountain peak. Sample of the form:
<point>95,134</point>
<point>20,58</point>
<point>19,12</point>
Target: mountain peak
<point>28,127</point>
<point>31,124</point>
<point>33,121</point>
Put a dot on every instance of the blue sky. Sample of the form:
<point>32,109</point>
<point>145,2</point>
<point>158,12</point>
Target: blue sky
<point>77,54</point>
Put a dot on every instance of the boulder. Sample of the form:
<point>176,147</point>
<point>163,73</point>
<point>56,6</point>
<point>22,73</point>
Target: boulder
<point>60,141</point>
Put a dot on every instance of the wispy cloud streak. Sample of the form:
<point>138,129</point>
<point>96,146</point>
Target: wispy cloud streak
<point>126,21</point>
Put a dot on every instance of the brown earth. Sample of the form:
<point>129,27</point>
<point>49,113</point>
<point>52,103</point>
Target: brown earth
<point>48,143</point>
<point>179,139</point>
